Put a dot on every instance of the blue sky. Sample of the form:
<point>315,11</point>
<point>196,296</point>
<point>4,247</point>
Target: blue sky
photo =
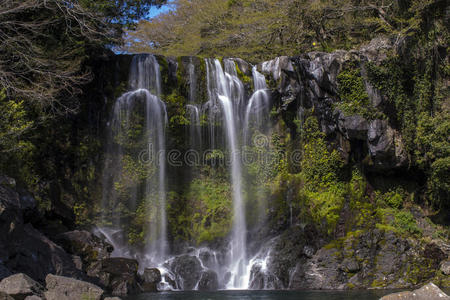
<point>156,11</point>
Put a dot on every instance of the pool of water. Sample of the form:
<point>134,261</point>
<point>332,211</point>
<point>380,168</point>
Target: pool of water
<point>265,295</point>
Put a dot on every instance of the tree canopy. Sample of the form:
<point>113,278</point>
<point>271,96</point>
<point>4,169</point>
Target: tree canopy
<point>259,29</point>
<point>44,45</point>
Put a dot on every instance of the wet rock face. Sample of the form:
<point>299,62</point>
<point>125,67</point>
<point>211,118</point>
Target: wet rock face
<point>427,292</point>
<point>188,271</point>
<point>64,288</point>
<point>118,275</point>
<point>23,249</point>
<point>374,258</point>
<point>84,244</point>
<point>385,146</point>
<point>208,281</point>
<point>20,286</point>
<point>150,280</point>
<point>353,127</point>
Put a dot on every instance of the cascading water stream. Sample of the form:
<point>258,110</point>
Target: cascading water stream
<point>145,86</point>
<point>193,110</point>
<point>258,104</point>
<point>227,90</point>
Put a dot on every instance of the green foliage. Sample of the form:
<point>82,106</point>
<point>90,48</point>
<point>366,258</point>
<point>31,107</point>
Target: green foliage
<point>319,166</point>
<point>325,206</point>
<point>405,222</point>
<point>261,29</point>
<point>244,78</point>
<point>212,209</point>
<point>202,213</point>
<point>353,94</point>
<point>14,124</point>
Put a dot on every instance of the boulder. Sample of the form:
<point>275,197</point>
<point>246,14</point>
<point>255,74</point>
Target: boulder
<point>187,270</point>
<point>112,298</point>
<point>385,146</point>
<point>353,127</point>
<point>19,286</point>
<point>427,292</point>
<point>208,281</point>
<point>117,274</point>
<point>4,296</point>
<point>445,267</point>
<point>34,297</point>
<point>208,258</point>
<point>84,244</point>
<point>64,288</point>
<point>32,253</point>
<point>151,278</point>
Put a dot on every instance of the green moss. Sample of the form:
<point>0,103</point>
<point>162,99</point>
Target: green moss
<point>353,94</point>
<point>244,78</point>
<point>406,222</point>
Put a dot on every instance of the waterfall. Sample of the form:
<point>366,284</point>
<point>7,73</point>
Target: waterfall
<point>145,88</point>
<point>227,90</point>
<point>258,104</point>
<point>193,111</point>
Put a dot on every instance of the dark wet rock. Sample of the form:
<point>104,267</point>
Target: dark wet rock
<point>4,296</point>
<point>288,250</point>
<point>19,286</point>
<point>32,253</point>
<point>350,265</point>
<point>84,244</point>
<point>65,288</point>
<point>434,252</point>
<point>427,292</point>
<point>208,281</point>
<point>374,258</point>
<point>112,298</point>
<point>150,279</point>
<point>262,279</point>
<point>152,275</point>
<point>4,272</point>
<point>188,270</point>
<point>207,258</point>
<point>118,275</point>
<point>353,127</point>
<point>385,146</point>
<point>244,66</point>
<point>226,278</point>
<point>172,283</point>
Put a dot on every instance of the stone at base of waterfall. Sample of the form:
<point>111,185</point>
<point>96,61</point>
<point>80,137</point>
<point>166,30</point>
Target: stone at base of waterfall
<point>65,288</point>
<point>19,286</point>
<point>208,281</point>
<point>151,278</point>
<point>112,298</point>
<point>117,274</point>
<point>427,292</point>
<point>188,271</point>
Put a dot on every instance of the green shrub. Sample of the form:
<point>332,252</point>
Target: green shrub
<point>405,222</point>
